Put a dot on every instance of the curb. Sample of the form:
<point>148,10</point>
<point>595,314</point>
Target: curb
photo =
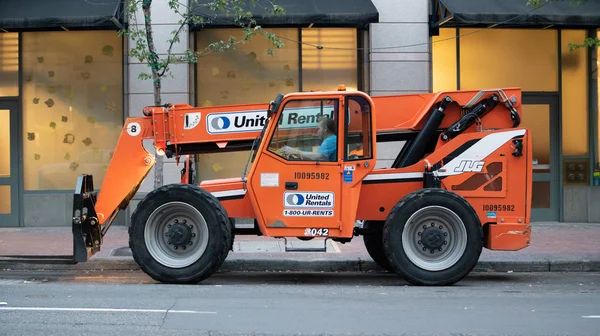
<point>275,265</point>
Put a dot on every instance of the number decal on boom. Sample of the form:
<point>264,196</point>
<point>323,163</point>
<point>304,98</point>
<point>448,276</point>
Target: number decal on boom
<point>134,129</point>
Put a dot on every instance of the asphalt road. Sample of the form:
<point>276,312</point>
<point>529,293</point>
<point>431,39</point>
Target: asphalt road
<point>298,304</point>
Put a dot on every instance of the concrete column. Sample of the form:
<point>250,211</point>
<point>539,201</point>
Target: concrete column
<point>404,69</point>
<point>139,93</point>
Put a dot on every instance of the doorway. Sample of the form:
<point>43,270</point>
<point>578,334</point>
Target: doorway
<point>9,153</point>
<point>540,116</point>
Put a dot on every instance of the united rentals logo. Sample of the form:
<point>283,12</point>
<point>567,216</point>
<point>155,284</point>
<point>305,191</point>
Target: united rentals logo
<point>254,121</point>
<point>308,200</point>
<point>220,123</point>
<point>251,121</point>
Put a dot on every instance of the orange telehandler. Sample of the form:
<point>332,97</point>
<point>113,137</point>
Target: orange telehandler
<point>461,182</point>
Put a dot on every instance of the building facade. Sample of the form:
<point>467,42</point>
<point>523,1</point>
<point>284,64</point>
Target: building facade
<point>67,83</point>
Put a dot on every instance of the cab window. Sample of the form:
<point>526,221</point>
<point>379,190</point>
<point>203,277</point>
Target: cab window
<point>307,131</point>
<point>358,137</point>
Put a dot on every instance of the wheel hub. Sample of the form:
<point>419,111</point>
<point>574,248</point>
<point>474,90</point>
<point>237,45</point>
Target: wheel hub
<point>432,238</point>
<point>180,234</point>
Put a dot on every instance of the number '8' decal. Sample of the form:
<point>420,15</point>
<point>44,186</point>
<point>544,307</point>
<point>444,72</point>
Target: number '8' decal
<point>134,128</point>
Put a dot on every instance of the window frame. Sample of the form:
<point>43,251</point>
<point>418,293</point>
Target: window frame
<point>347,99</point>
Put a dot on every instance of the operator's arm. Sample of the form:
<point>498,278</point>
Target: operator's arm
<point>312,155</point>
<point>327,148</point>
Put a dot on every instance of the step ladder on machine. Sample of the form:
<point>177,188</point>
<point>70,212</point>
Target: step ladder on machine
<point>309,245</point>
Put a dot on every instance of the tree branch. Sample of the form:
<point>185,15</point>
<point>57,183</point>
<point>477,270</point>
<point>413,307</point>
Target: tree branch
<point>153,57</point>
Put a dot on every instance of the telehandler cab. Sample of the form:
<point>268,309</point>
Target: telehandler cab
<point>461,182</point>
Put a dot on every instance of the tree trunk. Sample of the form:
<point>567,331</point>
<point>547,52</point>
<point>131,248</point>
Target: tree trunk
<point>158,168</point>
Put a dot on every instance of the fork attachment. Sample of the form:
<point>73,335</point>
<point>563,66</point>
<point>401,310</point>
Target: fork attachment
<point>87,235</point>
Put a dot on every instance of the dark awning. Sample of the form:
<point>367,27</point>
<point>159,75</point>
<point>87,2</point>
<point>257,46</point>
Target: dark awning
<point>463,13</point>
<point>319,13</point>
<point>22,15</point>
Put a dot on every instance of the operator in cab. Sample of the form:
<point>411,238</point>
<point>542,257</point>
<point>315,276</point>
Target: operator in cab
<point>328,149</point>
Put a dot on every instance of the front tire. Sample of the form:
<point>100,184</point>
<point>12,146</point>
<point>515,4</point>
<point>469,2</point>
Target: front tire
<point>433,237</point>
<point>180,233</point>
<point>373,241</point>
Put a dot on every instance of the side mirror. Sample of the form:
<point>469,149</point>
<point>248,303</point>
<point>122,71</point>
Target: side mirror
<point>274,105</point>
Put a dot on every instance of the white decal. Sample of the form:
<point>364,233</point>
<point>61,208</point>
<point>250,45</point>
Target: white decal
<point>307,213</point>
<point>479,151</point>
<point>191,120</point>
<point>254,121</point>
<point>393,176</point>
<point>312,232</point>
<point>465,166</point>
<point>134,128</point>
<point>229,193</point>
<point>308,199</point>
<point>484,147</point>
<point>269,179</point>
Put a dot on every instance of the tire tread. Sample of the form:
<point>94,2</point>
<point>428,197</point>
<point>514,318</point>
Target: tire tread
<point>388,240</point>
<point>222,220</point>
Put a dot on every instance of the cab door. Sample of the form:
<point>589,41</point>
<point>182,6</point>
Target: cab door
<point>307,179</point>
<point>296,178</point>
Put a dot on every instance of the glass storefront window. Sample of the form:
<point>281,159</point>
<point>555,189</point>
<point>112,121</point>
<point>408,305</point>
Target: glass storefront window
<point>443,59</point>
<point>72,106</point>
<point>246,74</point>
<point>574,94</point>
<point>325,69</point>
<point>4,143</point>
<point>537,119</point>
<point>9,64</point>
<point>525,58</point>
<point>5,206</point>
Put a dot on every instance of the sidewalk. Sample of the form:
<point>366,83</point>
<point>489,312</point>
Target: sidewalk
<point>555,247</point>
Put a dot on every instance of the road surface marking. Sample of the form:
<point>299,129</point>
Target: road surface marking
<point>3,303</point>
<point>110,310</point>
<point>591,316</point>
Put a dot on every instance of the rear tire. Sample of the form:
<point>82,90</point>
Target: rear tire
<point>180,233</point>
<point>373,240</point>
<point>433,220</point>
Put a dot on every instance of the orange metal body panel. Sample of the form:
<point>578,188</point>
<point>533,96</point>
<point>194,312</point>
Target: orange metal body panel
<point>500,193</point>
<point>508,237</point>
<point>184,124</point>
<point>128,167</point>
<point>185,178</point>
<point>410,111</point>
<point>235,199</point>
